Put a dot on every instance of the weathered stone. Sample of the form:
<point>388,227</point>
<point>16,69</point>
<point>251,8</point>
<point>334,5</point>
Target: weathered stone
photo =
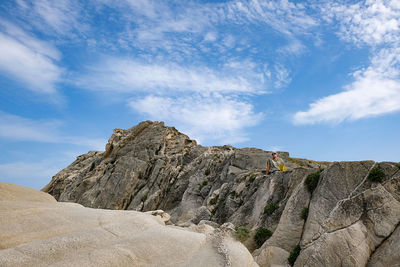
<point>37,231</point>
<point>354,228</point>
<point>272,257</point>
<point>345,247</point>
<point>202,213</point>
<point>290,228</point>
<point>387,254</point>
<point>336,183</point>
<point>152,167</point>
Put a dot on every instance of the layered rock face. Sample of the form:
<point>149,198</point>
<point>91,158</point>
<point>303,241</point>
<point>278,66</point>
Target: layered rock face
<point>351,220</point>
<point>35,230</point>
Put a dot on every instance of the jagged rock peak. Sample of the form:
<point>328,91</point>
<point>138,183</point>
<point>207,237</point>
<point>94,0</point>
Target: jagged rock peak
<point>145,129</point>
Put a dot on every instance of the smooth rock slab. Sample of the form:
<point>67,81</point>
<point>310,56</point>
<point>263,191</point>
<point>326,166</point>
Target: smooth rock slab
<point>47,233</point>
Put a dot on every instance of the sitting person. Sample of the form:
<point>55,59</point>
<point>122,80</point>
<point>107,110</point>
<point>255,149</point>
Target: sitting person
<point>275,164</point>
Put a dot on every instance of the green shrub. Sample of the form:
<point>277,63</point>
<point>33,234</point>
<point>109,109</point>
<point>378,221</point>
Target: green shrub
<point>144,197</point>
<point>233,194</point>
<point>294,254</point>
<point>312,181</point>
<point>213,201</point>
<point>222,202</point>
<point>398,165</point>
<point>261,236</point>
<point>376,175</point>
<point>203,184</point>
<point>252,178</point>
<point>213,211</point>
<point>176,199</point>
<point>304,213</point>
<point>207,172</point>
<point>270,208</point>
<point>242,233</point>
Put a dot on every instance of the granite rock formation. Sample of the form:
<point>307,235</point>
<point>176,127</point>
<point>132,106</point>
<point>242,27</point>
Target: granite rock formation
<point>35,230</point>
<point>351,220</point>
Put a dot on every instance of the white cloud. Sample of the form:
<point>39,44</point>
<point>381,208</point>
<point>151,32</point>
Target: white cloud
<point>18,128</point>
<point>282,77</point>
<point>127,76</point>
<point>198,100</point>
<point>17,48</point>
<point>215,118</point>
<point>195,31</point>
<point>37,45</point>
<point>61,17</point>
<point>374,22</point>
<point>294,47</point>
<point>229,41</point>
<point>283,16</point>
<point>210,37</point>
<point>375,91</point>
<point>180,28</point>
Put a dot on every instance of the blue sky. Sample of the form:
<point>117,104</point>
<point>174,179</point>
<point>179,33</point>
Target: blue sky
<point>319,79</point>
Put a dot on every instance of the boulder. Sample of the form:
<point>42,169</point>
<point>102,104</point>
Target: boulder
<point>35,230</point>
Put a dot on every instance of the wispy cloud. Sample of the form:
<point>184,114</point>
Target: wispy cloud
<point>59,18</point>
<point>294,47</point>
<point>214,118</point>
<point>282,77</point>
<point>18,128</point>
<point>283,16</point>
<point>369,22</point>
<point>40,73</point>
<point>200,101</point>
<point>183,30</point>
<point>127,76</point>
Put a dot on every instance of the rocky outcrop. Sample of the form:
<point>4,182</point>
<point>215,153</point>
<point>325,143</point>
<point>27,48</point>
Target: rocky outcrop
<point>352,216</point>
<point>35,230</point>
<point>350,221</point>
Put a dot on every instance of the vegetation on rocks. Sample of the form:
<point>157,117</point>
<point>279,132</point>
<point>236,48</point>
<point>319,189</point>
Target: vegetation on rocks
<point>294,254</point>
<point>261,236</point>
<point>207,172</point>
<point>312,181</point>
<point>213,201</point>
<point>242,233</point>
<point>376,175</point>
<point>270,208</point>
<point>203,184</point>
<point>252,178</point>
<point>304,213</point>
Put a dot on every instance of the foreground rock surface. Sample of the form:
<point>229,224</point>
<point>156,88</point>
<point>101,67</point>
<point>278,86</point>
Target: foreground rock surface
<point>351,220</point>
<point>35,230</point>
